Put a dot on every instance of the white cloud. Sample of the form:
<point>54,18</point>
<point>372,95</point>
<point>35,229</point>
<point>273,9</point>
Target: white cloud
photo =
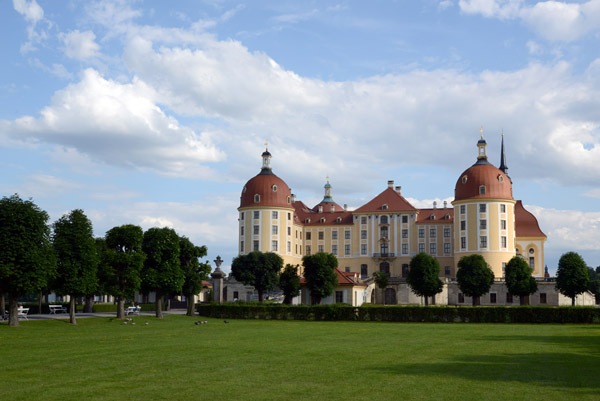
<point>80,45</point>
<point>568,230</point>
<point>34,15</point>
<point>552,20</point>
<point>428,203</point>
<point>118,124</point>
<point>594,193</point>
<point>551,112</point>
<point>46,186</point>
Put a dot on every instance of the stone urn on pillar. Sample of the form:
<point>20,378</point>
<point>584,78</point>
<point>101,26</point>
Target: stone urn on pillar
<point>217,279</point>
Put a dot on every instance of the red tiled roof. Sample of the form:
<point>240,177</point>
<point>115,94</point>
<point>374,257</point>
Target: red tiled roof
<point>497,184</point>
<point>344,279</point>
<point>327,207</point>
<point>424,216</point>
<point>263,185</point>
<point>319,219</point>
<point>526,225</point>
<point>394,201</point>
<point>206,283</point>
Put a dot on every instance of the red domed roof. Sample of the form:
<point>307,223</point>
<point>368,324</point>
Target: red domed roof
<point>272,191</point>
<point>495,183</point>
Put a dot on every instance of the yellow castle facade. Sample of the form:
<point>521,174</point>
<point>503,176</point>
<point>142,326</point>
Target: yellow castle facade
<point>387,232</point>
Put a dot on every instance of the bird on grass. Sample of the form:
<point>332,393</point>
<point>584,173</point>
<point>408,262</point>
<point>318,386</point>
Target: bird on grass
<point>146,323</point>
<point>225,321</point>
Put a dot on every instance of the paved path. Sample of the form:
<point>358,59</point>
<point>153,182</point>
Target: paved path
<point>101,314</point>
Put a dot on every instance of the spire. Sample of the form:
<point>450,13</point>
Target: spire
<point>327,198</point>
<point>481,144</point>
<point>503,165</point>
<point>266,165</point>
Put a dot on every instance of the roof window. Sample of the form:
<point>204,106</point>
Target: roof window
<point>256,198</point>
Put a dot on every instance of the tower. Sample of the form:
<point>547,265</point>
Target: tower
<point>484,213</point>
<point>266,214</point>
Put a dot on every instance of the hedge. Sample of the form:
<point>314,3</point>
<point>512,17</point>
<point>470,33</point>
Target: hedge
<point>105,308</point>
<point>434,314</point>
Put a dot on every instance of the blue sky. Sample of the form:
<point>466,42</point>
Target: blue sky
<point>155,113</point>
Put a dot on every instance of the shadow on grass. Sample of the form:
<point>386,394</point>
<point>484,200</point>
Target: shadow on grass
<point>558,370</point>
<point>587,343</point>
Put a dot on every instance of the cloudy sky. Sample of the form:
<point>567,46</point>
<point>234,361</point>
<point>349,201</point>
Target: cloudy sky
<point>155,113</point>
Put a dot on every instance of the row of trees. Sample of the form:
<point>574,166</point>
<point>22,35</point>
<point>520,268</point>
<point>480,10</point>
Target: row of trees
<point>264,272</point>
<point>475,277</point>
<point>70,261</point>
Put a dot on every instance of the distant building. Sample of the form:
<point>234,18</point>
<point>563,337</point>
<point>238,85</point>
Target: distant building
<point>386,232</point>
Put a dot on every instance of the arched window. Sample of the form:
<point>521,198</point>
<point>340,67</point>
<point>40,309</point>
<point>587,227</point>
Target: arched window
<point>482,190</point>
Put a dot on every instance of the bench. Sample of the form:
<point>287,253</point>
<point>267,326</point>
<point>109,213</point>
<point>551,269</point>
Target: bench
<point>57,309</point>
<point>133,310</point>
<point>22,313</point>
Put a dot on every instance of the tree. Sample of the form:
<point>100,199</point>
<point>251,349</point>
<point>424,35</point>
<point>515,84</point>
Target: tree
<point>193,271</point>
<point>162,271</point>
<point>76,257</point>
<point>518,280</point>
<point>289,282</point>
<point>572,276</point>
<point>258,269</point>
<point>320,276</point>
<point>474,276</point>
<point>594,282</point>
<point>423,276</point>
<point>122,263</point>
<point>26,257</point>
<point>381,280</point>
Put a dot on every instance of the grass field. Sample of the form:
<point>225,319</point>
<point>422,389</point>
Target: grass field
<point>100,359</point>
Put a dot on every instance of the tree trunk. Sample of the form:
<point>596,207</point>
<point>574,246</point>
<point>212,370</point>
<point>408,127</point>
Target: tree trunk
<point>287,300</point>
<point>190,304</point>
<point>260,296</point>
<point>40,302</point>
<point>2,305</point>
<point>474,301</point>
<point>13,306</point>
<point>573,301</point>
<point>426,300</point>
<point>89,304</point>
<point>158,304</point>
<point>72,311</point>
<point>120,307</point>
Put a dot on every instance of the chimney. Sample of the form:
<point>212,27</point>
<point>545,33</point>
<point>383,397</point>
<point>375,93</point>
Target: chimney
<point>391,184</point>
<point>293,198</point>
<point>345,207</point>
<point>332,208</point>
<point>445,204</point>
<point>399,190</point>
<point>320,209</point>
<point>434,204</point>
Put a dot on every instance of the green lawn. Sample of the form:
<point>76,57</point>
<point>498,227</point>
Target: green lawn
<point>100,359</point>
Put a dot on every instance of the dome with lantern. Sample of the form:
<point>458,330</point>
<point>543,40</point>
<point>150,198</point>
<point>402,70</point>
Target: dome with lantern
<point>483,180</point>
<point>266,189</point>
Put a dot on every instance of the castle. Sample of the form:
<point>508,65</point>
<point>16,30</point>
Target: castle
<point>386,232</point>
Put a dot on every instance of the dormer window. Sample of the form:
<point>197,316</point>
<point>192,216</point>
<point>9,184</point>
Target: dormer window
<point>288,200</point>
<point>322,219</point>
<point>256,198</point>
<point>320,209</point>
<point>447,217</point>
<point>339,219</point>
<point>274,188</point>
<point>384,206</point>
<point>432,217</point>
<point>500,178</point>
<point>464,179</point>
<point>307,221</point>
<point>482,190</point>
